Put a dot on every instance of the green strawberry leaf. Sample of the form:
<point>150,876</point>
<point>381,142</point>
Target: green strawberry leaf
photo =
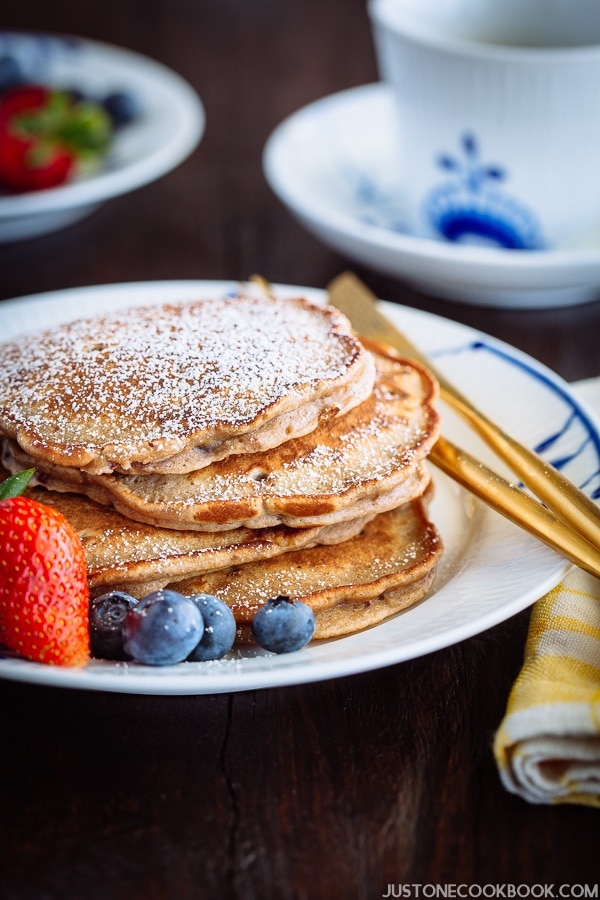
<point>16,484</point>
<point>82,128</point>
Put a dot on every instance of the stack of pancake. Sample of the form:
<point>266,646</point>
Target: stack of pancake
<point>246,446</point>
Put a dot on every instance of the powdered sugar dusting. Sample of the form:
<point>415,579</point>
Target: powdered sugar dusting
<point>154,375</point>
<point>381,441</point>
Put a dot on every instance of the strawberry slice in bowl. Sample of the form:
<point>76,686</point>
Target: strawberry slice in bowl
<point>157,119</point>
<point>48,135</point>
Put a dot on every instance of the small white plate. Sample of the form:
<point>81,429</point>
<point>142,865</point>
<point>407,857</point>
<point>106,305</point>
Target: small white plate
<point>335,165</point>
<point>490,569</point>
<point>168,129</point>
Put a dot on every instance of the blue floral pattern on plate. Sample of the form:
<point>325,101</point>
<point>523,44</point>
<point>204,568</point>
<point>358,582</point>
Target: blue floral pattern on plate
<point>570,438</point>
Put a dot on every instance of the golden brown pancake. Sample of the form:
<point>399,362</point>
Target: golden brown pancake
<point>246,447</point>
<point>364,462</point>
<point>123,554</point>
<point>172,388</point>
<point>388,566</point>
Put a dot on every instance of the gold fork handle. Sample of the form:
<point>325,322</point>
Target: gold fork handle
<point>515,505</point>
<point>561,495</point>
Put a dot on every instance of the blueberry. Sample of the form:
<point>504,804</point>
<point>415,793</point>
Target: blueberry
<point>11,73</point>
<point>219,628</point>
<point>107,615</point>
<point>283,625</point>
<point>122,107</point>
<point>162,629</point>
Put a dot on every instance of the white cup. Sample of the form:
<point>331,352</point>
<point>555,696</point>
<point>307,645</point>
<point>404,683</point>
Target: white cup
<point>498,105</point>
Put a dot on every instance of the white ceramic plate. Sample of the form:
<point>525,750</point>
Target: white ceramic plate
<point>490,569</point>
<point>169,128</point>
<point>335,165</point>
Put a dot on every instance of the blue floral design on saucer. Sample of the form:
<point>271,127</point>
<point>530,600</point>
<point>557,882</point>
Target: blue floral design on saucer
<point>471,208</point>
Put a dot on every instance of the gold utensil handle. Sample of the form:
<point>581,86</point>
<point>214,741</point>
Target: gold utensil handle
<point>515,505</point>
<point>560,494</point>
<point>354,299</point>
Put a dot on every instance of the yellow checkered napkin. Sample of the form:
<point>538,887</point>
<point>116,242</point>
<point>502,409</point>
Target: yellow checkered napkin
<point>548,745</point>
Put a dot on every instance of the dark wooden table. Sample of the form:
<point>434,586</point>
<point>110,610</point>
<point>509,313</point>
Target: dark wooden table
<point>331,790</point>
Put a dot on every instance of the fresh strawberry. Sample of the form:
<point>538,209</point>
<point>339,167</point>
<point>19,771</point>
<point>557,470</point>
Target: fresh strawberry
<point>44,596</point>
<point>46,135</point>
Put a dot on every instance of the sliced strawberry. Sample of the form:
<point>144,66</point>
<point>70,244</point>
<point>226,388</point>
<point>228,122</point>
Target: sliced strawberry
<point>45,134</point>
<point>44,596</point>
<point>31,96</point>
<point>25,168</point>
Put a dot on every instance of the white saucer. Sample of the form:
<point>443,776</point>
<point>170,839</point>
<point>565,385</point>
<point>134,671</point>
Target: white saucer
<point>334,164</point>
<point>170,126</point>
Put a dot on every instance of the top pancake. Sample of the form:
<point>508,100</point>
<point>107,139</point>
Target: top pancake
<point>363,462</point>
<point>172,388</point>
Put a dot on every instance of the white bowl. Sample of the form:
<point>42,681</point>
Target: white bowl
<point>169,127</point>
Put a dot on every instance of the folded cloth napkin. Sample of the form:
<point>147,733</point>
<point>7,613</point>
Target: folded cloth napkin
<point>547,748</point>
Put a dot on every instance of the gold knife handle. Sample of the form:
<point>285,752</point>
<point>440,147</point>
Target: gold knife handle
<point>561,495</point>
<point>515,505</point>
